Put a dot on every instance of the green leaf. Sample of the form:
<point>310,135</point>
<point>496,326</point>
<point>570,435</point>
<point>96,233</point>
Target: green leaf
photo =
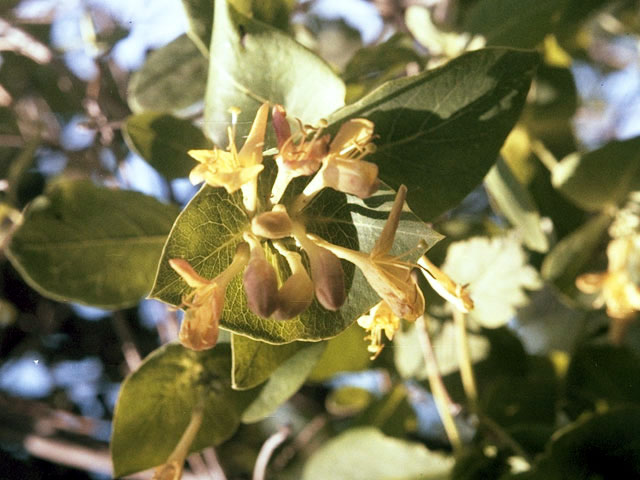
<point>284,382</point>
<point>200,17</point>
<point>601,375</point>
<point>172,79</point>
<point>372,66</point>
<point>392,414</point>
<point>91,245</point>
<point>209,228</point>
<point>601,178</point>
<point>444,124</point>
<point>601,446</point>
<point>254,361</point>
<point>366,454</point>
<point>513,23</point>
<point>497,272</point>
<point>163,141</point>
<point>252,63</point>
<point>517,205</point>
<point>569,257</point>
<point>272,12</point>
<point>156,401</point>
<point>345,353</point>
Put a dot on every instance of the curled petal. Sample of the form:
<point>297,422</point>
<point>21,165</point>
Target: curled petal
<point>352,136</point>
<point>355,177</point>
<point>457,295</point>
<point>200,326</point>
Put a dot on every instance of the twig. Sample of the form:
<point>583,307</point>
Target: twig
<point>464,360</point>
<point>268,447</point>
<point>438,390</point>
<point>213,464</point>
<point>504,437</point>
<point>127,344</point>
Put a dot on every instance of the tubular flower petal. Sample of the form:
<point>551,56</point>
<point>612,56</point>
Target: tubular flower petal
<point>296,294</point>
<point>296,157</point>
<point>232,169</point>
<point>273,225</point>
<point>389,276</point>
<point>199,329</point>
<point>379,319</point>
<point>615,287</point>
<point>260,281</point>
<point>326,271</point>
<point>458,295</point>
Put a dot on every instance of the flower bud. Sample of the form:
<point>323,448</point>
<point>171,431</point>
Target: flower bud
<point>280,125</point>
<point>296,294</point>
<point>272,225</point>
<point>260,281</point>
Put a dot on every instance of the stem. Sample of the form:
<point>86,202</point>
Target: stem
<point>250,196</point>
<point>310,191</point>
<point>268,447</point>
<point>283,178</point>
<point>464,360</point>
<point>546,157</point>
<point>504,437</point>
<point>438,390</point>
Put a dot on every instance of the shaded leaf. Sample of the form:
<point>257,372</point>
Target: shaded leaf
<point>365,453</point>
<point>513,23</point>
<point>156,401</point>
<point>601,178</point>
<point>273,12</point>
<point>253,62</point>
<point>443,124</point>
<point>163,141</point>
<point>255,361</point>
<point>517,205</point>
<point>347,401</point>
<point>392,414</point>
<point>284,382</point>
<point>209,228</point>
<point>346,352</point>
<point>172,79</point>
<point>497,272</point>
<point>570,256</point>
<point>91,245</point>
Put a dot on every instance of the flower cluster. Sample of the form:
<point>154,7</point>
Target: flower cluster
<point>336,163</point>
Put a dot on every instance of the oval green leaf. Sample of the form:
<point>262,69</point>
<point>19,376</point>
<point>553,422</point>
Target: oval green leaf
<point>172,79</point>
<point>163,140</point>
<point>444,124</point>
<point>91,245</point>
<point>156,401</point>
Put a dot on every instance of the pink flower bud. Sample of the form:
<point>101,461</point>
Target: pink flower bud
<point>260,283</point>
<point>296,294</point>
<point>272,225</point>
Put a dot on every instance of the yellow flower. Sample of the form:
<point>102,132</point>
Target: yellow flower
<point>389,276</point>
<point>457,295</point>
<point>379,319</point>
<point>615,287</point>
<point>199,329</point>
<point>232,169</point>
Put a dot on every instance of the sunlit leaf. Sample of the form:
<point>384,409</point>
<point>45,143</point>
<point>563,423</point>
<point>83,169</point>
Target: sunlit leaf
<point>497,272</point>
<point>91,245</point>
<point>156,401</point>
<point>366,454</point>
<point>514,201</point>
<point>172,79</point>
<point>601,178</point>
<point>207,231</point>
<point>444,124</point>
<point>163,141</point>
<point>253,62</point>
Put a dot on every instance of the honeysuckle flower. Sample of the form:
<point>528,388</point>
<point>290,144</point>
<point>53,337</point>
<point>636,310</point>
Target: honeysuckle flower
<point>389,276</point>
<point>273,225</point>
<point>199,329</point>
<point>326,271</point>
<point>172,469</point>
<point>457,295</point>
<point>296,293</point>
<point>233,169</point>
<point>260,281</point>
<point>299,157</point>
<point>378,320</point>
<point>343,168</point>
<point>616,288</point>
